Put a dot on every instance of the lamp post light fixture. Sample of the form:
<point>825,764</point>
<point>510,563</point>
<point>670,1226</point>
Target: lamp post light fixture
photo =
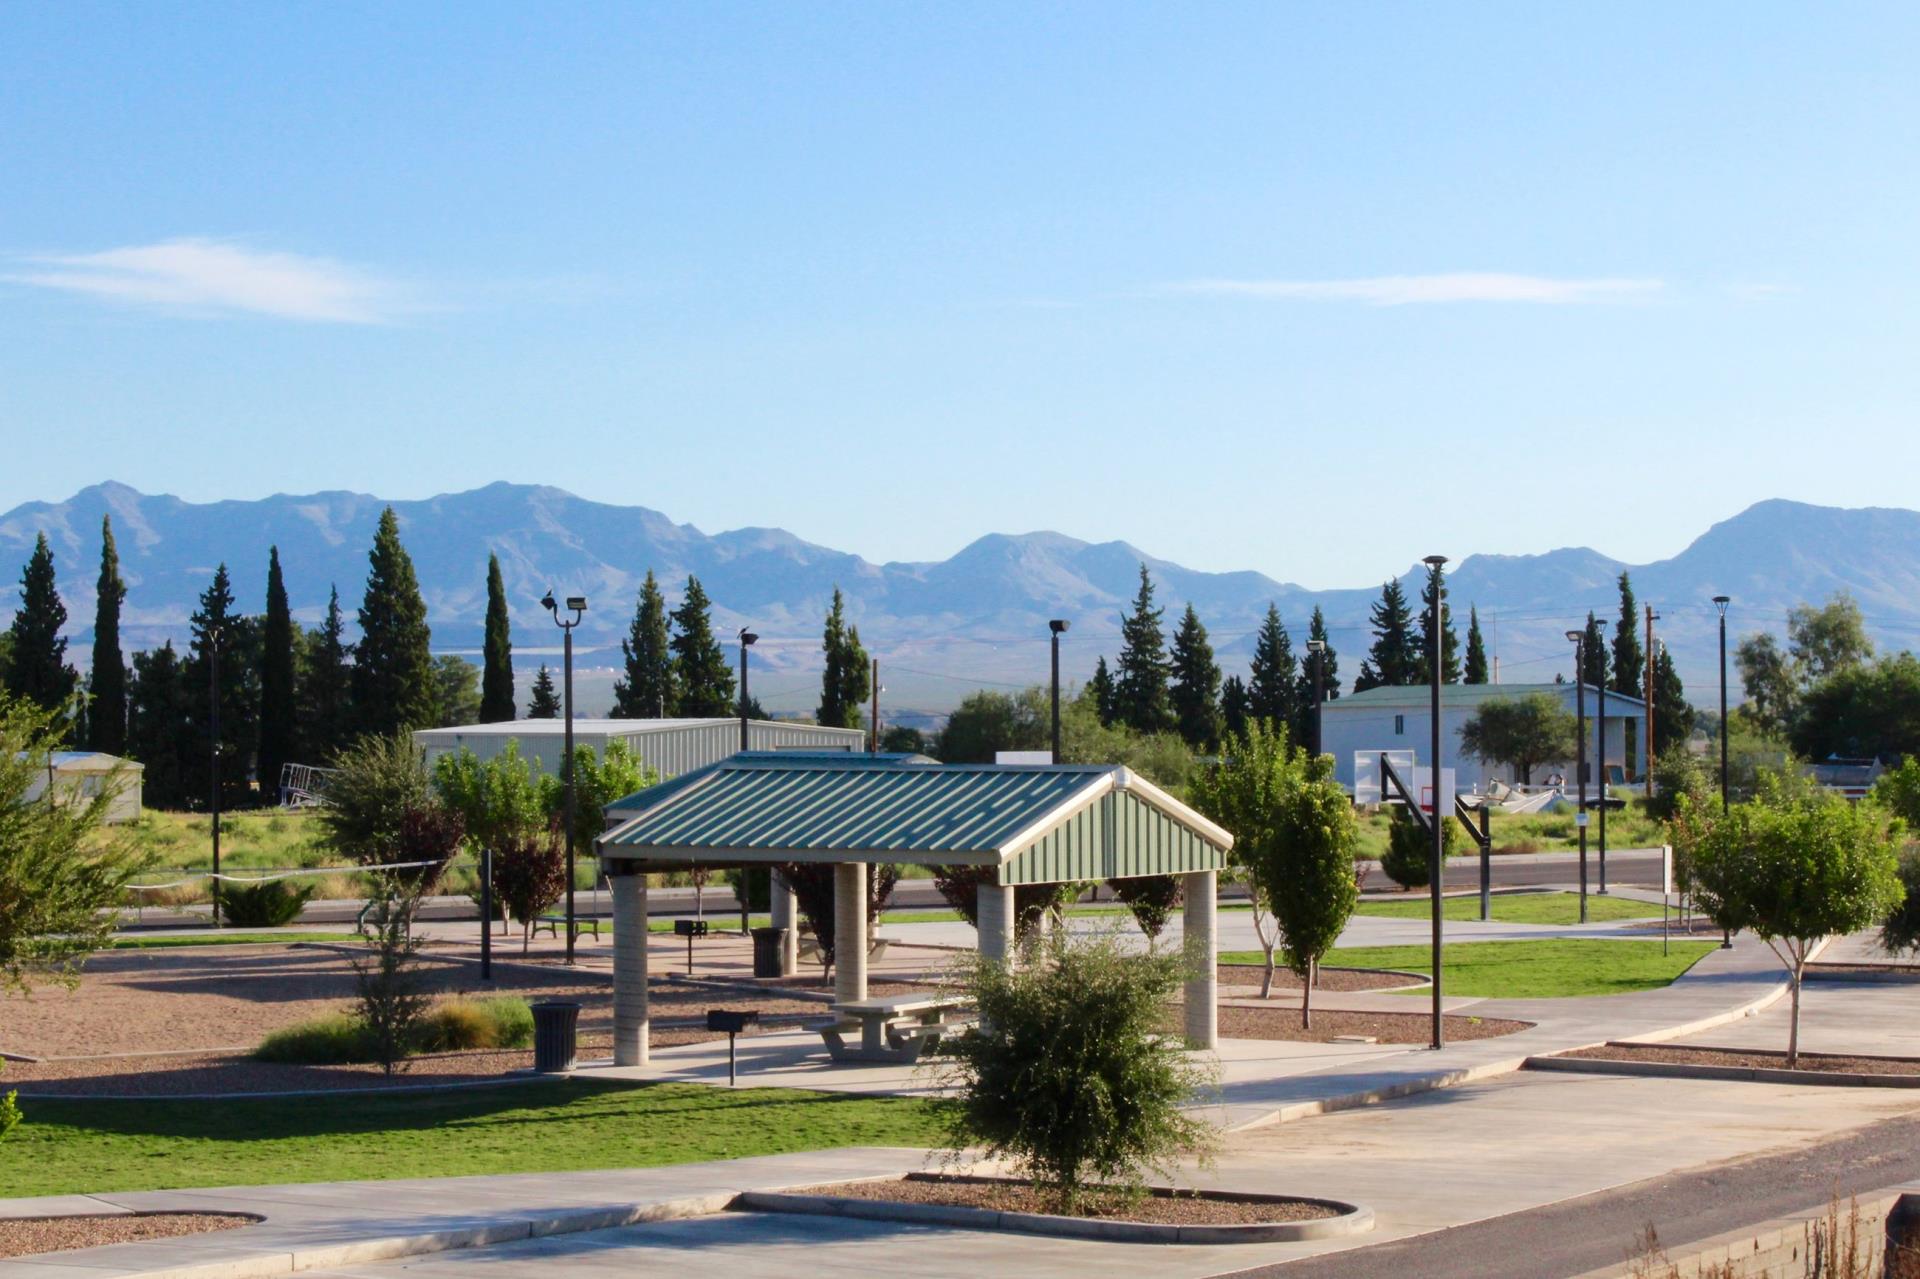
<point>747,639</point>
<point>577,605</point>
<point>1720,602</point>
<point>1579,639</point>
<point>1319,650</point>
<point>1600,749</point>
<point>213,724</point>
<point>1059,627</point>
<point>1436,855</point>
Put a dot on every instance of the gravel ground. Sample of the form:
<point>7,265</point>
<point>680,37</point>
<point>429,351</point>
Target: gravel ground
<point>1813,1063</point>
<point>1179,1208</point>
<point>1240,1022</point>
<point>1334,979</point>
<point>31,1236</point>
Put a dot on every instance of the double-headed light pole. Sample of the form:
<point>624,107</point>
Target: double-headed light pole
<point>577,605</point>
<point>1059,627</point>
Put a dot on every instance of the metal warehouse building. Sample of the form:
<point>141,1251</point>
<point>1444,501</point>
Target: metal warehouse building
<point>669,747</point>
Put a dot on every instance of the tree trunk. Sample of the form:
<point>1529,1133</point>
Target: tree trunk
<point>1793,1034</point>
<point>1306,995</point>
<point>1266,982</point>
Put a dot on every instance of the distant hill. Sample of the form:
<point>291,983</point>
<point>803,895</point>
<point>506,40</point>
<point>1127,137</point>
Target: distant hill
<point>940,628</point>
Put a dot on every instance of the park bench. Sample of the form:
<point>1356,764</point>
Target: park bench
<point>581,924</point>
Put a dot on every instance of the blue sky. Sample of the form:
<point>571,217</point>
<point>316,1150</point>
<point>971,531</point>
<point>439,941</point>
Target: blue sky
<point>1309,289</point>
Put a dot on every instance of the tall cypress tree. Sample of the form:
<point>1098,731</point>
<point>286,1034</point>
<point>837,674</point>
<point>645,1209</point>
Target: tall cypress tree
<point>1392,659</point>
<point>279,714</point>
<point>1449,639</point>
<point>545,702</point>
<point>496,662</point>
<point>1100,688</point>
<point>1594,649</point>
<point>1273,686</point>
<point>848,677</point>
<point>238,691</point>
<point>37,668</point>
<point>1196,683</point>
<point>648,691</point>
<point>107,712</point>
<point>699,663</point>
<point>1672,716</point>
<point>1629,658</point>
<point>1476,669</point>
<point>326,688</point>
<point>1236,706</point>
<point>159,733</point>
<point>394,689</point>
<point>1140,689</point>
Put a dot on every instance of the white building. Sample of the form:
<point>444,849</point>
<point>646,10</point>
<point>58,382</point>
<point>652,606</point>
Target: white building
<point>78,776</point>
<point>669,747</point>
<point>1398,719</point>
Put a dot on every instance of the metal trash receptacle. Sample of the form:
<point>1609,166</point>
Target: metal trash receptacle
<point>767,946</point>
<point>555,1031</point>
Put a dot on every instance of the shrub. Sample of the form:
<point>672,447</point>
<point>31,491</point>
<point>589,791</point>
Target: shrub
<point>332,1040</point>
<point>1409,848</point>
<point>1071,1076</point>
<point>1900,931</point>
<point>1679,772</point>
<point>465,1025</point>
<point>9,1114</point>
<point>267,905</point>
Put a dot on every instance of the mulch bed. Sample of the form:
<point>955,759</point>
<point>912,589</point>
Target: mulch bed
<point>1339,980</point>
<point>31,1236</point>
<point>1181,1208</point>
<point>1812,1063</point>
<point>1240,1022</point>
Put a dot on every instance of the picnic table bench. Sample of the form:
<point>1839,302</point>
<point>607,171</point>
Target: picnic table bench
<point>894,1028</point>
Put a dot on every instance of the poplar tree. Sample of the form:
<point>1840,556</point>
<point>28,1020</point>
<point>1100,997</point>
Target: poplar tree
<point>1100,689</point>
<point>37,667</point>
<point>699,663</point>
<point>1140,689</point>
<point>496,661</point>
<point>1196,683</point>
<point>1629,659</point>
<point>649,690</point>
<point>279,718</point>
<point>1594,654</point>
<point>326,687</point>
<point>1392,659</point>
<point>1273,686</point>
<point>107,711</point>
<point>394,688</point>
<point>848,677</point>
<point>159,734</point>
<point>545,702</point>
<point>1449,639</point>
<point>1476,668</point>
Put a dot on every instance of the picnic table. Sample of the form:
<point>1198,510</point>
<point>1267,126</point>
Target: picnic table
<point>894,1028</point>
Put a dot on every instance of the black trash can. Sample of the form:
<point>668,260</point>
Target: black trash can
<point>768,943</point>
<point>555,1026</point>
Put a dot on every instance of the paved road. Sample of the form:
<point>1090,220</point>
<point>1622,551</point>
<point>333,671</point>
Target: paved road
<point>1578,1235</point>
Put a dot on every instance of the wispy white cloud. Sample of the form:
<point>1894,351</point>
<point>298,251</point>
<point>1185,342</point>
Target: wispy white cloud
<point>1409,290</point>
<point>208,276</point>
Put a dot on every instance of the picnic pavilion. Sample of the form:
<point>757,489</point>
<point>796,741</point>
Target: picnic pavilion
<point>1031,824</point>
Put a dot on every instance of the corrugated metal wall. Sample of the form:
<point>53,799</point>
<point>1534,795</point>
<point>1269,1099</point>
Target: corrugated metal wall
<point>669,752</point>
<point>1116,837</point>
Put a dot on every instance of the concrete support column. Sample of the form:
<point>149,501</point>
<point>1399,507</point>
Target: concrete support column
<point>631,1032</point>
<point>994,917</point>
<point>849,931</point>
<point>1202,947</point>
<point>786,914</point>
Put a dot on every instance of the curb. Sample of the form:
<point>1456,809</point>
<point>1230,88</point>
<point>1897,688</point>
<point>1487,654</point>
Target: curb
<point>1743,1074</point>
<point>1374,1096</point>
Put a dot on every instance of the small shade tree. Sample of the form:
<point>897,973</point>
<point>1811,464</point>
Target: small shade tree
<point>1150,899</point>
<point>1799,866</point>
<point>812,884</point>
<point>530,876</point>
<point>1899,792</point>
<point>1245,792</point>
<point>1311,883</point>
<point>1521,732</point>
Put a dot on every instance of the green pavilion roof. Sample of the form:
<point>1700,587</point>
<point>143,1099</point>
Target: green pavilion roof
<point>1039,823</point>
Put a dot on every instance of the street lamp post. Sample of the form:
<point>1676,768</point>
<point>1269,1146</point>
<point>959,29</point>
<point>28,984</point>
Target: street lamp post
<point>1319,650</point>
<point>1058,626</point>
<point>213,702</point>
<point>577,605</point>
<point>1600,748</point>
<point>1720,602</point>
<point>1580,754</point>
<point>747,639</point>
<point>1436,855</point>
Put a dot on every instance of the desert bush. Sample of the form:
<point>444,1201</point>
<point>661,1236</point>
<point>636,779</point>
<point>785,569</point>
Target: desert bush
<point>1409,848</point>
<point>331,1040</point>
<point>465,1025</point>
<point>1070,1076</point>
<point>267,905</point>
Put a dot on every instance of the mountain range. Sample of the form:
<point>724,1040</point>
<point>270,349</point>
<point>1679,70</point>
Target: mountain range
<point>940,628</point>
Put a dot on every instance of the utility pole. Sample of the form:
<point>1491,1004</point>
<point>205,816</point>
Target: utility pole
<point>213,702</point>
<point>1057,626</point>
<point>1648,768</point>
<point>873,731</point>
<point>1436,857</point>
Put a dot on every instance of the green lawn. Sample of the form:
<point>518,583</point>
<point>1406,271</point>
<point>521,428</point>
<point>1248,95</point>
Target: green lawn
<point>1549,969</point>
<point>75,1147</point>
<point>1517,908</point>
<point>169,941</point>
<point>1629,827</point>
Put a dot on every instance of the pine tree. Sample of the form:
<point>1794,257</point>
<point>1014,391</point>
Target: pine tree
<point>1476,668</point>
<point>1325,684</point>
<point>107,681</point>
<point>1140,688</point>
<point>1449,639</point>
<point>1593,651</point>
<point>394,689</point>
<point>238,638</point>
<point>648,691</point>
<point>1196,683</point>
<point>496,662</point>
<point>279,716</point>
<point>1391,660</point>
<point>1236,706</point>
<point>159,734</point>
<point>1274,685</point>
<point>326,688</point>
<point>1672,716</point>
<point>1100,688</point>
<point>545,702</point>
<point>848,677</point>
<point>1629,659</point>
<point>37,668</point>
<point>699,663</point>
